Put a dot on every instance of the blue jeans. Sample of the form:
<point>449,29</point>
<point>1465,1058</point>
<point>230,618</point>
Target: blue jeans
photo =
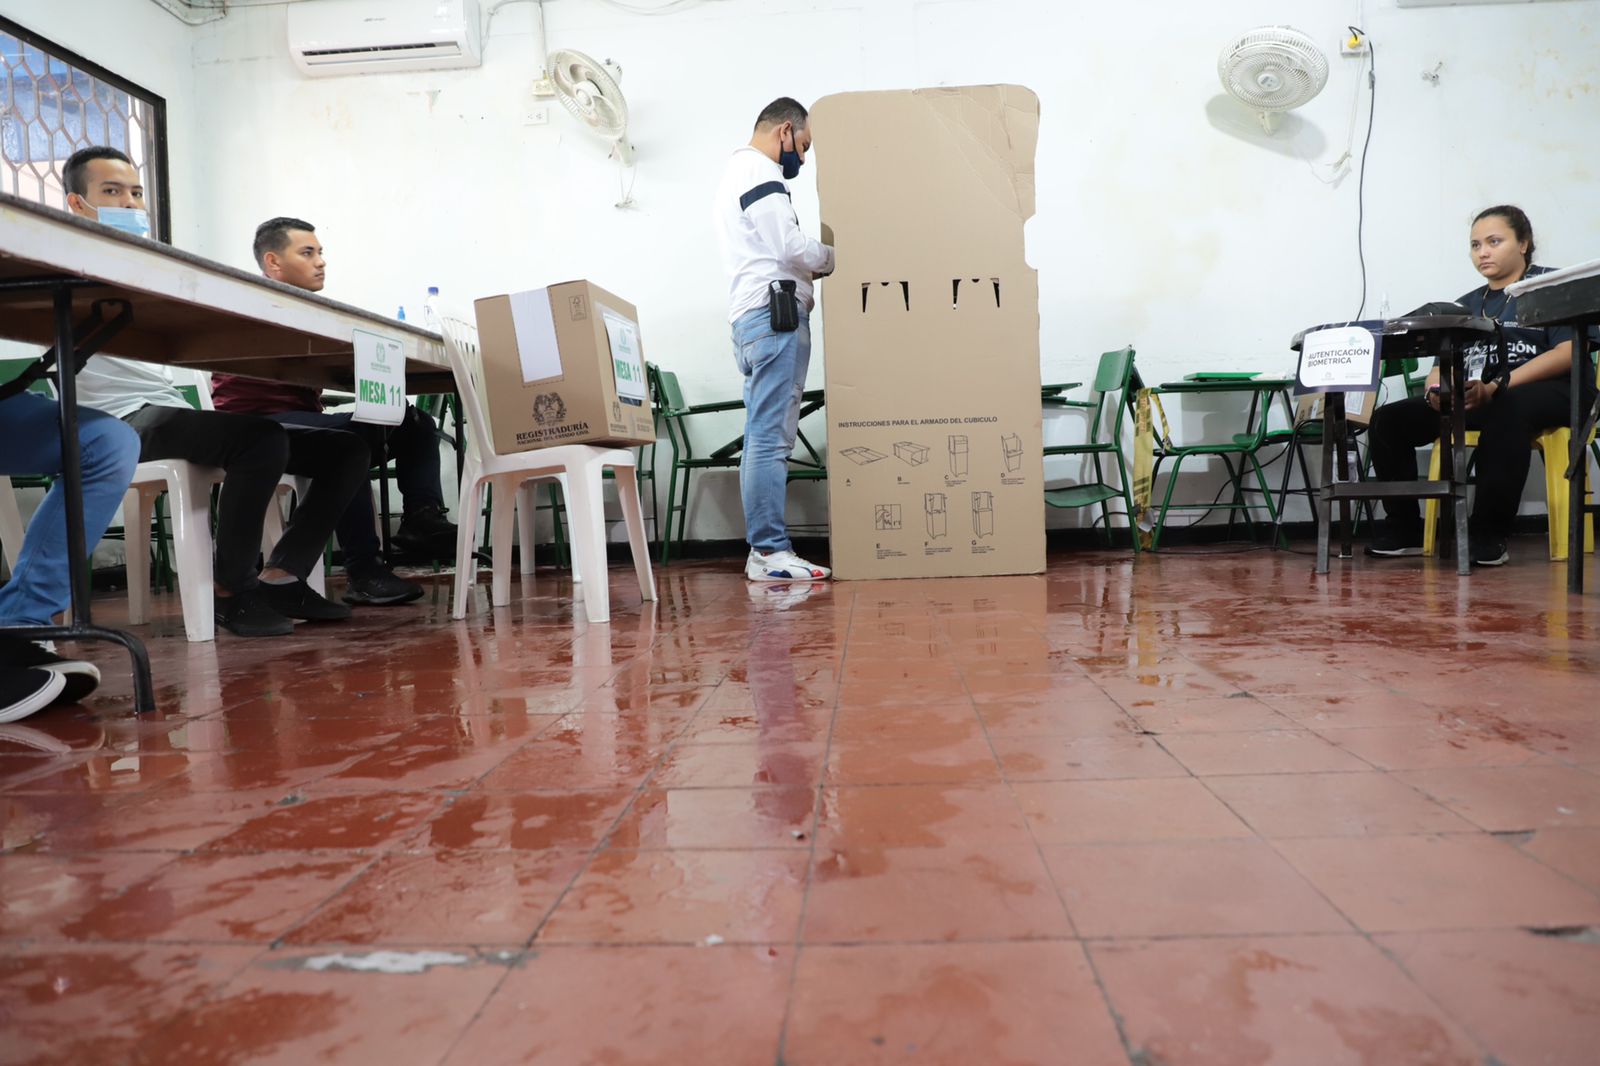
<point>30,443</point>
<point>774,367</point>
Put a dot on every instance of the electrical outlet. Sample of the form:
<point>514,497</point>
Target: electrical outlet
<point>536,115</point>
<point>1353,44</point>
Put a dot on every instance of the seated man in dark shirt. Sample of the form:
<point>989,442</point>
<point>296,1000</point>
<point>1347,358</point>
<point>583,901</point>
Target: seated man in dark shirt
<point>287,250</point>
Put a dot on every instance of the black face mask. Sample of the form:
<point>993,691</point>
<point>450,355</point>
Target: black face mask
<point>789,160</point>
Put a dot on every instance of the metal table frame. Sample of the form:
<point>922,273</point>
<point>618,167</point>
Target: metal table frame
<point>80,626</point>
<point>1576,304</point>
<point>196,313</point>
<point>1443,338</point>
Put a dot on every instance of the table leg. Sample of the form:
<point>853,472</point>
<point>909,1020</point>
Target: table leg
<point>1577,464</point>
<point>1347,547</point>
<point>1332,411</point>
<point>80,626</point>
<point>1458,457</point>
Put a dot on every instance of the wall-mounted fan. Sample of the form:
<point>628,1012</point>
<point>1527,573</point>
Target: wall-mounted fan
<point>589,90</point>
<point>1272,69</point>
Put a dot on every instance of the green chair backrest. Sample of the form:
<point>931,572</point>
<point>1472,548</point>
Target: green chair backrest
<point>670,391</point>
<point>10,368</point>
<point>1111,386</point>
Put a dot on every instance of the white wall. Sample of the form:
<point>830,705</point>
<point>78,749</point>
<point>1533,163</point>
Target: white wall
<point>1166,219</point>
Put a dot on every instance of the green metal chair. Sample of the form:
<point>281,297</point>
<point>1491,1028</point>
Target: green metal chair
<point>674,413</point>
<point>1104,442</point>
<point>1241,446</point>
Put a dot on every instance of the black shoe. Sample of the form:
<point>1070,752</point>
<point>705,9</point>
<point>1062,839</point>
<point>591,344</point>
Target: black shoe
<point>245,614</point>
<point>1488,551</point>
<point>427,531</point>
<point>1392,545</point>
<point>24,691</point>
<point>377,586</point>
<point>81,677</point>
<point>296,599</point>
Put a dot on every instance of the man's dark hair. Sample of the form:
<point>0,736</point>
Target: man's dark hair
<point>1517,219</point>
<point>783,109</point>
<point>75,175</point>
<point>273,235</point>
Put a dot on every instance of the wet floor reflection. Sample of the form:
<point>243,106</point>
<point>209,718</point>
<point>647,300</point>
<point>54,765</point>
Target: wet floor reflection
<point>969,820</point>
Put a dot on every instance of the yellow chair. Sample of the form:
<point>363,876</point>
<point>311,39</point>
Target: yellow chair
<point>1553,446</point>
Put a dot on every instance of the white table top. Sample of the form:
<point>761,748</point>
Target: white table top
<point>1575,272</point>
<point>189,311</point>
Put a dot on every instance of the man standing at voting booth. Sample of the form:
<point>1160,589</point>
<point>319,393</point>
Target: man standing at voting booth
<point>772,266</point>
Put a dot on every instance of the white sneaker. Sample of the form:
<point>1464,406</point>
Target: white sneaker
<point>783,566</point>
<point>781,595</point>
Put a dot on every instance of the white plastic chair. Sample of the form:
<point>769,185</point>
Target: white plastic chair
<point>577,466</point>
<point>188,487</point>
<point>11,527</point>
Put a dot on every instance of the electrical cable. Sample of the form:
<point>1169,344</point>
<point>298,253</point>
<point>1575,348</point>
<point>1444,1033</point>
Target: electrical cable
<point>1361,183</point>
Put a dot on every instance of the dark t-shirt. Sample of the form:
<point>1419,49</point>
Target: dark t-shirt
<point>1522,342</point>
<point>253,396</point>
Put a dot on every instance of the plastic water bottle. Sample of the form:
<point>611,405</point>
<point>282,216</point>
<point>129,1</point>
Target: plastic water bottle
<point>400,313</point>
<point>1383,307</point>
<point>430,309</point>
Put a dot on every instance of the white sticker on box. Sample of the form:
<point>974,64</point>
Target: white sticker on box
<point>380,376</point>
<point>627,361</point>
<point>536,335</point>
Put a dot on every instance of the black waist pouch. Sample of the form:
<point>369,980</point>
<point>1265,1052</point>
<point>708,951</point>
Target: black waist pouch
<point>783,307</point>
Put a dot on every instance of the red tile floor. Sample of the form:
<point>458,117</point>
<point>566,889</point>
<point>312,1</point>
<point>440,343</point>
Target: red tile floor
<point>1193,810</point>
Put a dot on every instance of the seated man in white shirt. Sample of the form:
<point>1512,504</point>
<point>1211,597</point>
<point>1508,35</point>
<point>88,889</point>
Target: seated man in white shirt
<point>254,452</point>
<point>769,259</point>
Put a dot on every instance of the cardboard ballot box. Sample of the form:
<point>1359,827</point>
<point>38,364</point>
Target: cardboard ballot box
<point>931,324</point>
<point>563,365</point>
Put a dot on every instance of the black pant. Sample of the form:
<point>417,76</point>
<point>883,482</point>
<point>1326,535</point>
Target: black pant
<point>1507,428</point>
<point>254,453</point>
<point>412,445</point>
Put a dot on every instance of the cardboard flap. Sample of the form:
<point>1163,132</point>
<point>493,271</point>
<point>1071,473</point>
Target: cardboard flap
<point>951,174</point>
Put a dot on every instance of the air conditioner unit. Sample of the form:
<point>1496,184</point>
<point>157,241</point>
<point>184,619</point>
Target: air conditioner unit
<point>379,36</point>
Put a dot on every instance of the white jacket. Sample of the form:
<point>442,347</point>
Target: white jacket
<point>760,235</point>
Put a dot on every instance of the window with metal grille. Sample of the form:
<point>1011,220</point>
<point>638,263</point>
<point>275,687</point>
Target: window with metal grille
<point>54,102</point>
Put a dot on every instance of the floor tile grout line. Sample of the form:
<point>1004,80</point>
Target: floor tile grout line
<point>528,951</point>
<point>799,945</point>
<point>510,949</point>
<point>1016,804</point>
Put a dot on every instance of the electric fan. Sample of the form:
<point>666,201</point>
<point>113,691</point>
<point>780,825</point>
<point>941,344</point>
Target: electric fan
<point>589,90</point>
<point>1272,69</point>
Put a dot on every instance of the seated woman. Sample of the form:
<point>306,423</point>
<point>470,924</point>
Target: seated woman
<point>1509,403</point>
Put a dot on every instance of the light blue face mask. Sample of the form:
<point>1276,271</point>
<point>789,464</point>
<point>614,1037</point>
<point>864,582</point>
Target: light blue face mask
<point>134,220</point>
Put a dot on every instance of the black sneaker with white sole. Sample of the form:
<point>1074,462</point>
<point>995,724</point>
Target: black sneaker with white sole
<point>296,599</point>
<point>81,677</point>
<point>22,692</point>
<point>1395,545</point>
<point>1487,551</point>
